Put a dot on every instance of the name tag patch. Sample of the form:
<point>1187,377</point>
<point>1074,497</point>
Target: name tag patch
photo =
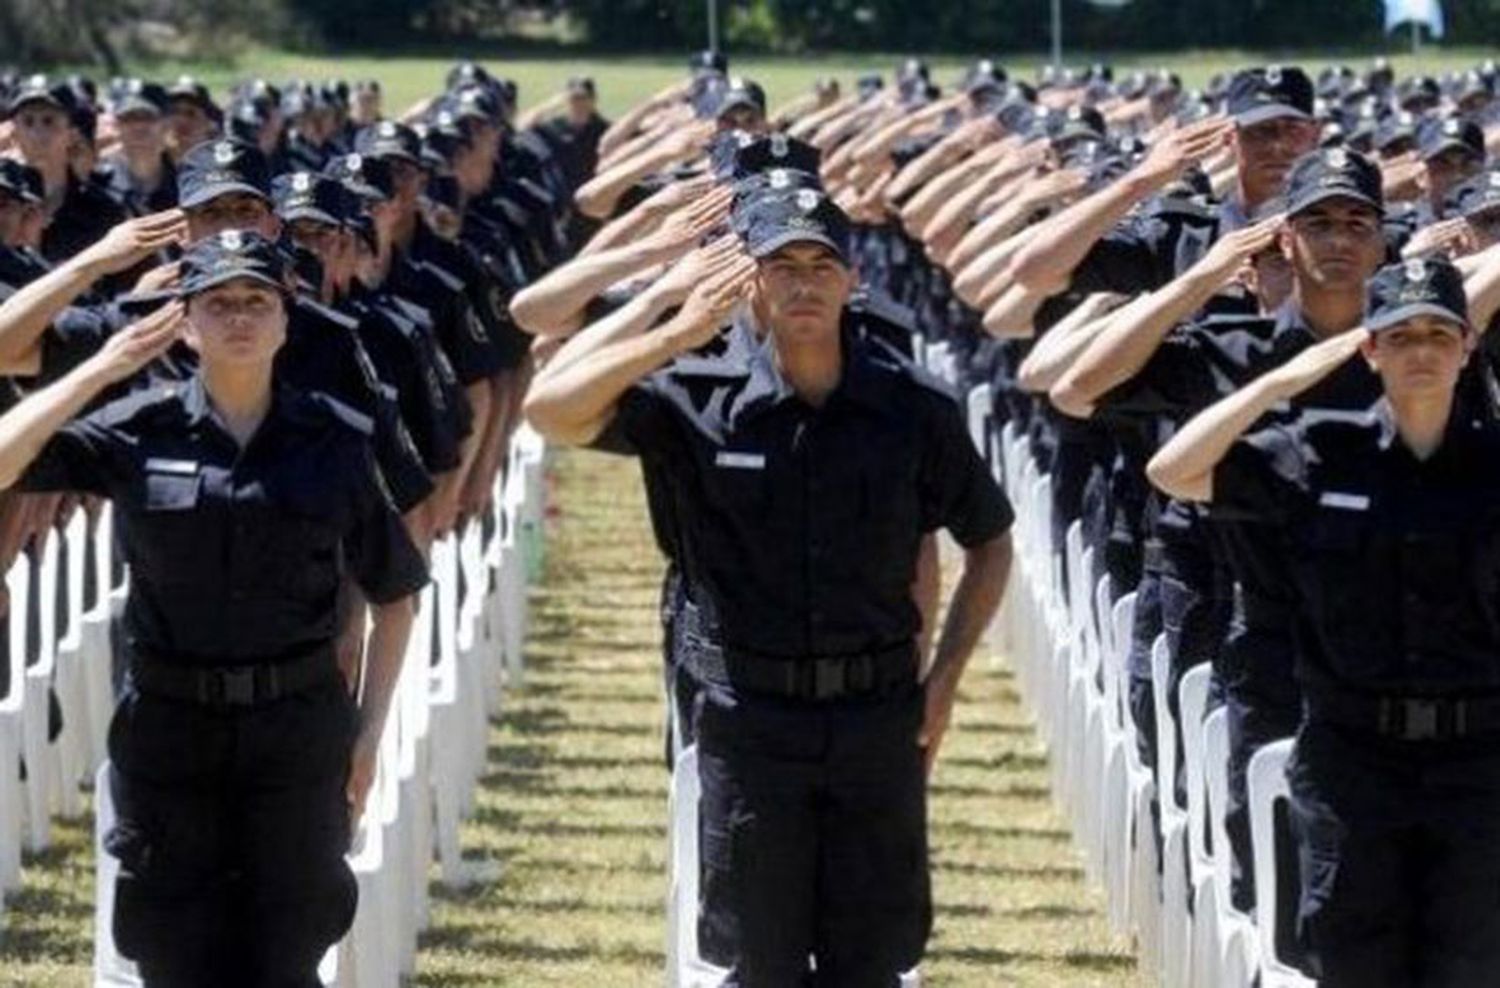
<point>1345,502</point>
<point>185,468</point>
<point>740,461</point>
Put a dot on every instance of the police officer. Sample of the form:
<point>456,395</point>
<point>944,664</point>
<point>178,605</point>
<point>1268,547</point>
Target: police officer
<point>239,759</point>
<point>140,176</point>
<point>807,476</point>
<point>1388,527</point>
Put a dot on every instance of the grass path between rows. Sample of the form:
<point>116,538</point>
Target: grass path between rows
<point>573,808</point>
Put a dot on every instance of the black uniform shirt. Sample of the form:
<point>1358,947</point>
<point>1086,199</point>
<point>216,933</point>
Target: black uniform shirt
<point>87,213</point>
<point>117,182</point>
<point>800,527</point>
<point>1151,248</point>
<point>1395,562</point>
<point>236,556</point>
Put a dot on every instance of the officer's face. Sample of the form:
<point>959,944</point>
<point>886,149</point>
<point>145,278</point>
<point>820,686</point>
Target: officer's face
<point>580,108</point>
<point>443,220</point>
<point>474,169</point>
<point>240,323</point>
<point>410,180</point>
<point>746,118</point>
<point>801,289</point>
<point>1448,169</point>
<point>12,220</point>
<point>235,211</point>
<point>319,238</point>
<point>1334,245</point>
<point>1419,358</point>
<point>1483,229</point>
<point>367,105</point>
<point>1266,151</point>
<point>189,125</point>
<point>43,134</point>
<point>141,133</point>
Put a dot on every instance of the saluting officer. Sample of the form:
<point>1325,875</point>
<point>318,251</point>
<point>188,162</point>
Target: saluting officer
<point>239,757</point>
<point>1389,529</point>
<point>805,477</point>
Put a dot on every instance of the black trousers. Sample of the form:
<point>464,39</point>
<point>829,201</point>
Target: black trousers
<point>1400,857</point>
<point>231,834</point>
<point>813,840</point>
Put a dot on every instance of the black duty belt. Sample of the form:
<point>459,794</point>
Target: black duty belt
<point>236,686</point>
<point>1408,718</point>
<point>866,674</point>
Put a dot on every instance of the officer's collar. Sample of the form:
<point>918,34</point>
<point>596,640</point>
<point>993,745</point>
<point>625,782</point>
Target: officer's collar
<point>1232,215</point>
<point>198,409</point>
<point>1289,320</point>
<point>859,378</point>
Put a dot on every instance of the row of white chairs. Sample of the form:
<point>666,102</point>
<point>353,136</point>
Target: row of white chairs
<point>466,647</point>
<point>1166,874</point>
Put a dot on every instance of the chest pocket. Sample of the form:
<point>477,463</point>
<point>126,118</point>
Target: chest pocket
<point>169,527</point>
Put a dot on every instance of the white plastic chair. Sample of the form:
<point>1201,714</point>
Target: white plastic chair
<point>1267,785</point>
<point>42,770</point>
<point>110,969</point>
<point>1176,921</point>
<point>12,793</point>
<point>1238,950</point>
<point>980,405</point>
<point>75,746</point>
<point>1202,879</point>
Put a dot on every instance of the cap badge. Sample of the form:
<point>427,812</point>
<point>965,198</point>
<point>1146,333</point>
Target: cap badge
<point>808,199</point>
<point>1338,158</point>
<point>232,240</point>
<point>354,163</point>
<point>387,129</point>
<point>223,153</point>
<point>1273,75</point>
<point>302,181</point>
<point>1415,270</point>
<point>778,146</point>
<point>780,179</point>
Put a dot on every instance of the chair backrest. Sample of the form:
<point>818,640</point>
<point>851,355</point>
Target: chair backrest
<point>1166,730</point>
<point>1192,704</point>
<point>980,405</point>
<point>1115,669</point>
<point>44,599</point>
<point>76,548</point>
<point>1216,785</point>
<point>1267,785</point>
<point>1104,625</point>
<point>18,585</point>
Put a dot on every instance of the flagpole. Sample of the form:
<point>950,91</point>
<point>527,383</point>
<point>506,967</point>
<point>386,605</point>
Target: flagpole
<point>1057,34</point>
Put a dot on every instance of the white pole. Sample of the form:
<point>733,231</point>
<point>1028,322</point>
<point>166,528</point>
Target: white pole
<point>1416,35</point>
<point>713,25</point>
<point>1057,34</point>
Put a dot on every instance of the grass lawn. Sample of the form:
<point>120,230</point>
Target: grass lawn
<point>623,81</point>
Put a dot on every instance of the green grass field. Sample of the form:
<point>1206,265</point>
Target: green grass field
<point>622,81</point>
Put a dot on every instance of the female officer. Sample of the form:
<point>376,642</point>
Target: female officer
<point>1391,536</point>
<point>239,760</point>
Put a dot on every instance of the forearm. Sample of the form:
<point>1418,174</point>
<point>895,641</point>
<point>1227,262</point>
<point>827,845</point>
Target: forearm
<point>599,195</point>
<point>1184,467</point>
<point>25,429</point>
<point>1061,245</point>
<point>26,315</point>
<point>975,601</point>
<point>623,129</point>
<point>551,306</point>
<point>1481,287</point>
<point>927,167</point>
<point>574,404</point>
<point>926,593</point>
<point>1134,335</point>
<point>1013,316</point>
<point>957,201</point>
<point>1060,347</point>
<point>629,321</point>
<point>918,214</point>
<point>980,280</point>
<point>391,626</point>
<point>619,231</point>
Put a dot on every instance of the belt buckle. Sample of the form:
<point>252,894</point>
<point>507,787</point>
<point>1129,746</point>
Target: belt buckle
<point>1419,720</point>
<point>238,687</point>
<point>829,680</point>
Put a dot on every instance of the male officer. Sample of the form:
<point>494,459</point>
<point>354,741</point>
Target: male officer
<point>1272,126</point>
<point>805,479</point>
<point>140,176</point>
<point>42,113</point>
<point>1333,238</point>
<point>1388,529</point>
